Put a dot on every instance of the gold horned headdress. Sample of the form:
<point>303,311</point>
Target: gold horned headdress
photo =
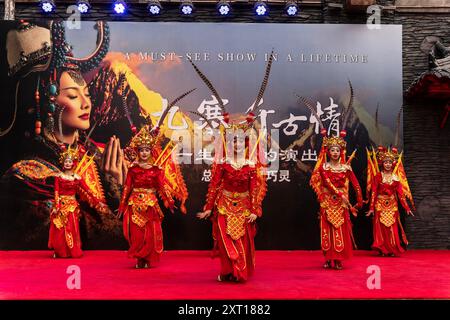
<point>236,122</point>
<point>333,141</point>
<point>150,135</point>
<point>144,138</point>
<point>387,154</point>
<point>382,152</point>
<point>330,141</point>
<point>69,153</point>
<point>251,113</point>
<point>376,157</point>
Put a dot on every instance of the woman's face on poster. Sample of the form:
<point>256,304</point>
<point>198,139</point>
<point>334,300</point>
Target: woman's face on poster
<point>335,153</point>
<point>76,101</point>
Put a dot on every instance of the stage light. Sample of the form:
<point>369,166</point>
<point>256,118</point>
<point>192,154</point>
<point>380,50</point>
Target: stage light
<point>47,6</point>
<point>154,7</point>
<point>187,7</point>
<point>120,7</point>
<point>224,8</point>
<point>83,6</point>
<point>261,9</point>
<point>291,8</point>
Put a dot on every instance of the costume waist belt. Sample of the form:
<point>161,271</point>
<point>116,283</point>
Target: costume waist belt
<point>332,194</point>
<point>67,197</point>
<point>143,197</point>
<point>151,190</point>
<point>386,197</point>
<point>68,204</point>
<point>235,195</point>
<point>140,199</point>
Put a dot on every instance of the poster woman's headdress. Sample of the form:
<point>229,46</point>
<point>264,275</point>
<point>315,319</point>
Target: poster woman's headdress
<point>44,50</point>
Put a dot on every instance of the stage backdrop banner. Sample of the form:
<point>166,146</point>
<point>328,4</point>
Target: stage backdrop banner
<point>318,62</point>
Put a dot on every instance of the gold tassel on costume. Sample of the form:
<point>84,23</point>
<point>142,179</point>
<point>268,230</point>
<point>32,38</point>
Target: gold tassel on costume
<point>58,223</point>
<point>69,239</point>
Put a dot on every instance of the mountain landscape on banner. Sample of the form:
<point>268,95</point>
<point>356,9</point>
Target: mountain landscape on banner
<point>140,100</point>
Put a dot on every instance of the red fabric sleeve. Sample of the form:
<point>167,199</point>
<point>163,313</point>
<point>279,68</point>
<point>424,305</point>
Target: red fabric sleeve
<point>163,190</point>
<point>327,182</point>
<point>356,187</point>
<point>254,189</point>
<point>56,204</point>
<point>126,191</point>
<point>214,186</point>
<point>374,193</point>
<point>401,196</point>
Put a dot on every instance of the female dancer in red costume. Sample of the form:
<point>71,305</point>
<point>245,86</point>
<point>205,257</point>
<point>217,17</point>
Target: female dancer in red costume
<point>139,204</point>
<point>64,236</point>
<point>386,188</point>
<point>235,195</point>
<point>153,173</point>
<point>330,180</point>
<point>236,192</point>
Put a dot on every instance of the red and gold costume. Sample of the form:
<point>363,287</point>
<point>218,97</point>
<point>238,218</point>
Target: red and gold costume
<point>234,194</point>
<point>237,188</point>
<point>335,225</point>
<point>139,203</point>
<point>386,189</point>
<point>142,214</point>
<point>331,183</point>
<point>64,237</point>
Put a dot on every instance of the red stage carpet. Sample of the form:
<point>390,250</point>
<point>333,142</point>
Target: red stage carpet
<point>192,274</point>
